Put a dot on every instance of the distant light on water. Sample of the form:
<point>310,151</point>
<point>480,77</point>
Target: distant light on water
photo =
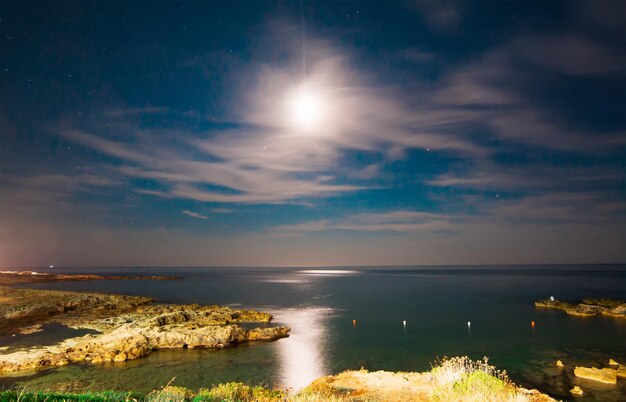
<point>329,272</point>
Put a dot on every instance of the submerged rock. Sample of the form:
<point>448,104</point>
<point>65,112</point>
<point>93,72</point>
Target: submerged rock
<point>604,375</point>
<point>30,330</point>
<point>576,390</point>
<point>588,307</point>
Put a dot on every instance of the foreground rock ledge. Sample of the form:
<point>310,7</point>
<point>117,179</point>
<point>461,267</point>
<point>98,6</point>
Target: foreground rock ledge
<point>588,307</point>
<point>133,331</point>
<point>362,385</point>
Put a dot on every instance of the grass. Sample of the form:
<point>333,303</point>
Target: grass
<point>43,396</point>
<point>229,392</point>
<point>463,379</point>
<point>236,391</point>
<point>451,379</point>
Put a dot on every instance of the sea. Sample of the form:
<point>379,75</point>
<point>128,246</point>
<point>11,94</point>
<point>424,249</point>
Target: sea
<point>376,318</point>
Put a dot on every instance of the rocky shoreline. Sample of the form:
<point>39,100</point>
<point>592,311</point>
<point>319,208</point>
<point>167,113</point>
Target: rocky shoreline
<point>24,308</point>
<point>131,327</point>
<point>589,307</point>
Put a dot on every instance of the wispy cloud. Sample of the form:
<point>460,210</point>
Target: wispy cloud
<point>533,177</point>
<point>240,175</point>
<point>194,214</point>
<point>400,221</point>
<point>492,92</point>
<point>538,211</point>
<point>264,159</point>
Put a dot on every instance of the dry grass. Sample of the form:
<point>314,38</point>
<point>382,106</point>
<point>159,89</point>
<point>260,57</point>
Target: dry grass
<point>465,380</point>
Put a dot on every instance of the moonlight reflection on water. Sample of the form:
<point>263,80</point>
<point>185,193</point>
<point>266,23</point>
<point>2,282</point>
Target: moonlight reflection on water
<point>301,356</point>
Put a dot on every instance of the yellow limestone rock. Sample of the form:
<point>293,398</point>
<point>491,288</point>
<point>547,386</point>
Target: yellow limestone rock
<point>621,372</point>
<point>559,363</point>
<point>604,375</point>
<point>588,307</point>
<point>135,333</point>
<point>576,390</point>
<point>613,363</point>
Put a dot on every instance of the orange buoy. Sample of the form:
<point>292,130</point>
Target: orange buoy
<point>532,324</point>
<point>354,323</point>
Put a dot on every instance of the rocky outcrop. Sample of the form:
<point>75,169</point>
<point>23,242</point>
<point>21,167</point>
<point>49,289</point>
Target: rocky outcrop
<point>588,307</point>
<point>22,308</point>
<point>132,331</point>
<point>604,375</point>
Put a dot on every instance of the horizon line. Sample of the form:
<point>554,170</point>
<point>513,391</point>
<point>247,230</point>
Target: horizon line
<point>315,266</point>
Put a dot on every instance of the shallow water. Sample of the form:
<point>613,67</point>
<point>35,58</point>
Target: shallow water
<point>48,335</point>
<point>320,306</point>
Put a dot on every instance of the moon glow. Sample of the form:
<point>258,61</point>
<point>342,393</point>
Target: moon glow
<point>306,109</point>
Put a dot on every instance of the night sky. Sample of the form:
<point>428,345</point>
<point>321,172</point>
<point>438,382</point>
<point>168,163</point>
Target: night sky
<point>312,133</point>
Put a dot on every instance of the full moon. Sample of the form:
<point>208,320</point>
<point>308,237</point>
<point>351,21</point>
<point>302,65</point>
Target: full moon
<point>306,108</point>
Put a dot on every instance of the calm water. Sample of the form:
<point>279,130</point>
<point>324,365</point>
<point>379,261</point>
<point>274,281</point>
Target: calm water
<point>321,304</point>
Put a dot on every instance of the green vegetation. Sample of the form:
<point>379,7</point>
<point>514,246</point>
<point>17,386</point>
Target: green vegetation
<point>239,392</point>
<point>43,396</point>
<point>236,391</point>
<point>463,379</point>
<point>230,392</point>
<point>453,379</point>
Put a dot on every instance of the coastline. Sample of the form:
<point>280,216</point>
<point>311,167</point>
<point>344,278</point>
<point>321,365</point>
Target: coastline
<point>8,278</point>
<point>73,314</point>
<point>129,327</point>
